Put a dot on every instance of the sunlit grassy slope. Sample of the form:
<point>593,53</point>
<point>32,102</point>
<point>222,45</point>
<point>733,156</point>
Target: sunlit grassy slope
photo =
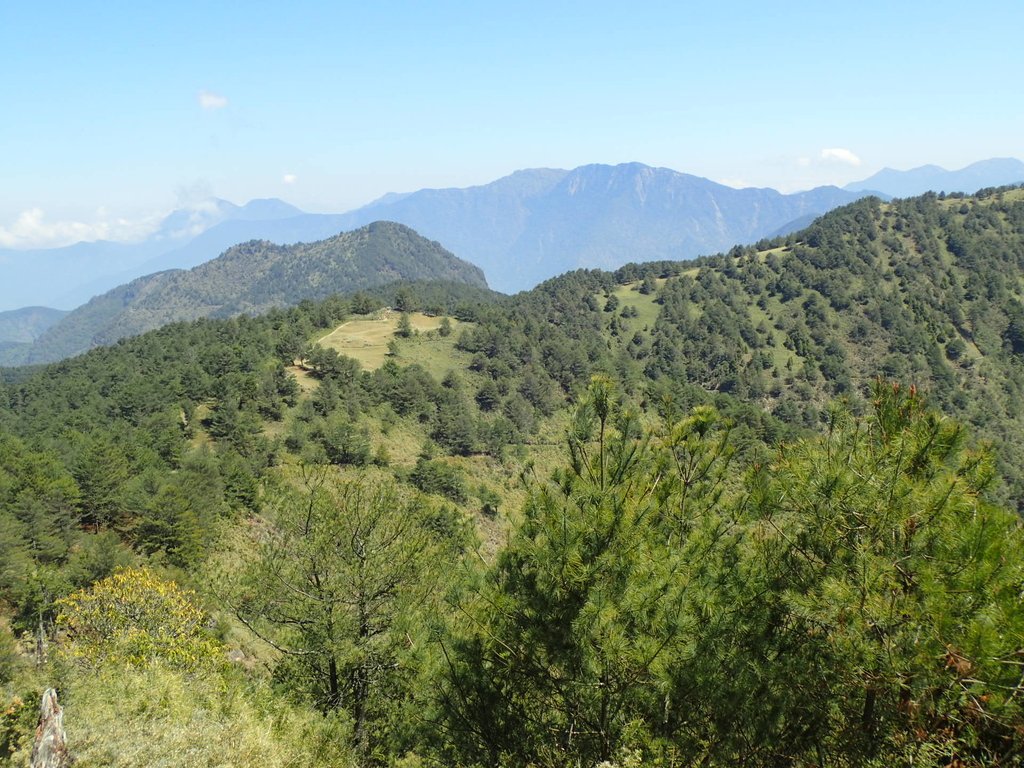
<point>366,340</point>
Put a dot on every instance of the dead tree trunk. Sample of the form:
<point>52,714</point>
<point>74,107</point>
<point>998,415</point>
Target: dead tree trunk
<point>50,749</point>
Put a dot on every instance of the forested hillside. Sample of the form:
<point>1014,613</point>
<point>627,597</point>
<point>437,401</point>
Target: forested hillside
<point>251,278</point>
<point>759,509</point>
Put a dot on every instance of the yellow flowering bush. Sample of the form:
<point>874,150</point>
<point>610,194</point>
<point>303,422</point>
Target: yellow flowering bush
<point>135,618</point>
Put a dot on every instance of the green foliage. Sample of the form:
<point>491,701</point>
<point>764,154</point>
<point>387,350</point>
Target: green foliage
<point>255,277</point>
<point>435,476</point>
<point>571,637</point>
<point>730,571</point>
<point>9,657</point>
<point>331,589</point>
<point>101,470</point>
<point>404,328</point>
<point>362,304</point>
<point>343,442</point>
<point>855,602</point>
<point>887,624</point>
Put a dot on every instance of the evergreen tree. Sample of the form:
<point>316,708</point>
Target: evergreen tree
<point>404,328</point>
<point>571,638</point>
<point>881,617</point>
<point>330,588</point>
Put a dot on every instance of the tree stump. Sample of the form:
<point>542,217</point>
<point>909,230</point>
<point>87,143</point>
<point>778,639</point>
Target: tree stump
<point>50,749</point>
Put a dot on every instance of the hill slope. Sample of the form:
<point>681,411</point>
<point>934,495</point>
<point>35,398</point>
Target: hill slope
<point>19,328</point>
<point>28,323</point>
<point>927,291</point>
<point>860,566</point>
<point>251,278</point>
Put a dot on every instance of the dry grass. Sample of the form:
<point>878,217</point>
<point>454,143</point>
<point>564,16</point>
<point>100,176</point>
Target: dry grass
<point>402,441</point>
<point>366,340</point>
<point>307,382</point>
<point>153,718</point>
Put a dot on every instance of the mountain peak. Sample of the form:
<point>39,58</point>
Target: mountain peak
<point>536,223</point>
<point>267,208</point>
<point>252,277</point>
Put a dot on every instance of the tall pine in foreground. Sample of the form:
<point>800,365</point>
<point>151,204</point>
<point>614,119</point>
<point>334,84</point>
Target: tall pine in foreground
<point>887,627</point>
<point>569,642</point>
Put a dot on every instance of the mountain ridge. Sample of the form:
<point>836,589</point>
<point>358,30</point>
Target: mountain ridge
<point>251,278</point>
<point>521,228</point>
<point>993,172</point>
<point>537,223</point>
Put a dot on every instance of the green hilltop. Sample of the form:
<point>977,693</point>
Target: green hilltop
<point>251,278</point>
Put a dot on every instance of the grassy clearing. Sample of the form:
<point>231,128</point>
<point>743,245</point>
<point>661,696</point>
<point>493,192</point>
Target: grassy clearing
<point>1009,196</point>
<point>307,382</point>
<point>646,306</point>
<point>401,439</point>
<point>437,354</point>
<point>366,340</point>
<point>200,439</point>
<point>782,249</point>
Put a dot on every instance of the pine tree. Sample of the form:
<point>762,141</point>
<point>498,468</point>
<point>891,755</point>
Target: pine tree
<point>572,635</point>
<point>877,601</point>
<point>342,567</point>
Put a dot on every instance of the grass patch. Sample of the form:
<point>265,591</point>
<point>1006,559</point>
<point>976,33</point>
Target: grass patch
<point>200,439</point>
<point>123,718</point>
<point>366,341</point>
<point>647,307</point>
<point>307,382</point>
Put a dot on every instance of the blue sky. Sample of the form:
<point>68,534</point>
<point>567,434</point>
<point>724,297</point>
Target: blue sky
<point>114,113</point>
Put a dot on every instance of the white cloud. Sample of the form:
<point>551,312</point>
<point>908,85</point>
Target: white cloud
<point>840,155</point>
<point>803,162</point>
<point>32,230</point>
<point>210,100</point>
<point>289,178</point>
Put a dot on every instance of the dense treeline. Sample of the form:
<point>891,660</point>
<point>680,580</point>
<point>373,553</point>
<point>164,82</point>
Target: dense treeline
<point>745,552</point>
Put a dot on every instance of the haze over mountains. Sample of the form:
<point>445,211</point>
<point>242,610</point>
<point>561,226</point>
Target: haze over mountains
<point>536,224</point>
<point>69,276</point>
<point>995,172</point>
<point>520,229</point>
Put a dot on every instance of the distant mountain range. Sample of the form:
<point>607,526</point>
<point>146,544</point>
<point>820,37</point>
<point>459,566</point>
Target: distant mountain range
<point>536,224</point>
<point>520,229</point>
<point>996,172</point>
<point>28,323</point>
<point>249,278</point>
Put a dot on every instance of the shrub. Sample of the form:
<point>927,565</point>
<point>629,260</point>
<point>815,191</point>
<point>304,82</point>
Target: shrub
<point>135,618</point>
